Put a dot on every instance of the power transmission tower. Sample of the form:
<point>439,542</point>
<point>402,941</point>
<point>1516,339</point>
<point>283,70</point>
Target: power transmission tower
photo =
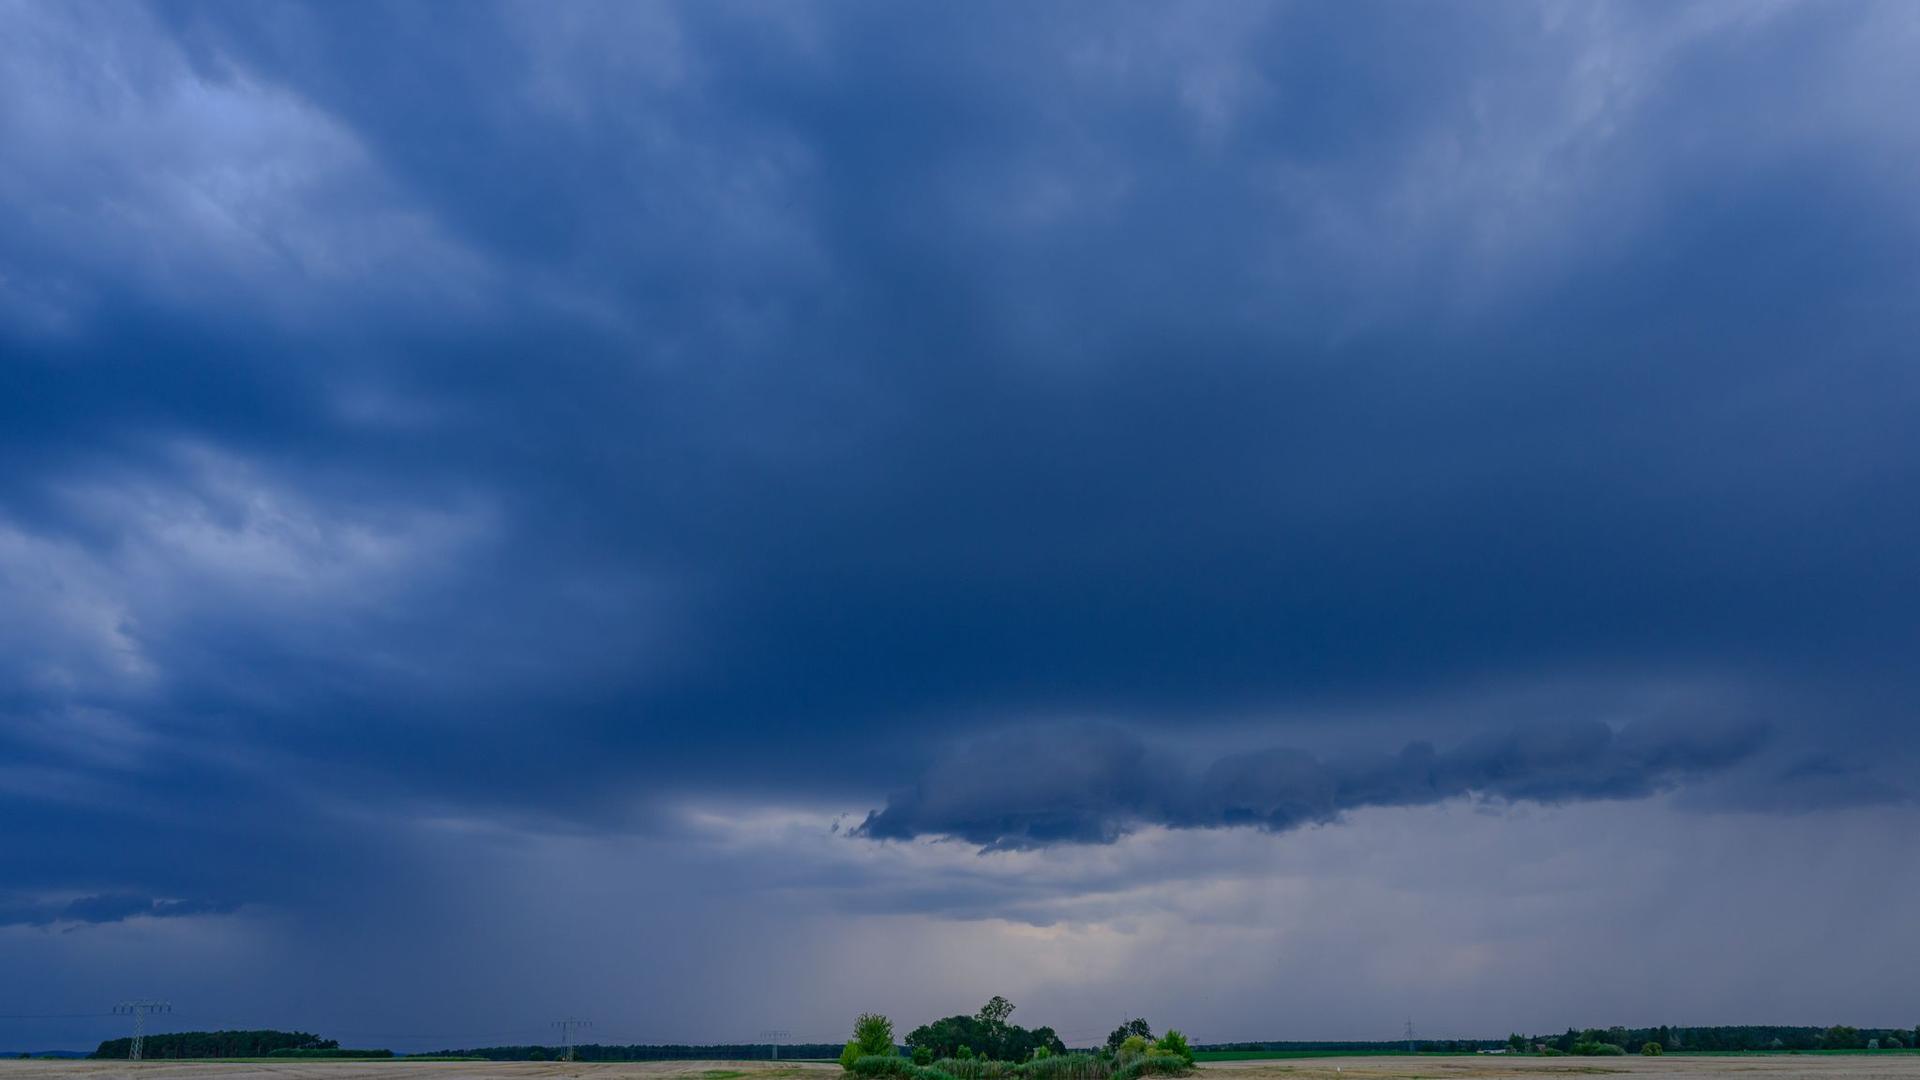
<point>567,1028</point>
<point>140,1010</point>
<point>1410,1035</point>
<point>774,1038</point>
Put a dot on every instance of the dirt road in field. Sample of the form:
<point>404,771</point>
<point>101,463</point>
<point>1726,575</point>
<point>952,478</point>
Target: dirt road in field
<point>1673,1067</point>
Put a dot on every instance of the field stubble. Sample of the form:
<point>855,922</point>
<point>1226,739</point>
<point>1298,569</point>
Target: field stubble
<point>1670,1067</point>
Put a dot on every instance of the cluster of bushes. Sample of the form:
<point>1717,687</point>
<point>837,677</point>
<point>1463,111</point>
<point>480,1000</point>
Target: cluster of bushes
<point>1050,1067</point>
<point>989,1033</point>
<point>331,1052</point>
<point>986,1047</point>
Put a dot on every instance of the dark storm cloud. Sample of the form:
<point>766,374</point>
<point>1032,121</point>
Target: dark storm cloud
<point>539,420</point>
<point>1095,784</point>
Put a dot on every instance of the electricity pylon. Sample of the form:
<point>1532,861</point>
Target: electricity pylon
<point>139,1010</point>
<point>774,1038</point>
<point>567,1028</point>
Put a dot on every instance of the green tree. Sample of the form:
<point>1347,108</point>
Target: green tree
<point>922,1056</point>
<point>1651,1049</point>
<point>1136,1026</point>
<point>873,1034</point>
<point>850,1055</point>
<point>994,1028</point>
<point>1516,1043</point>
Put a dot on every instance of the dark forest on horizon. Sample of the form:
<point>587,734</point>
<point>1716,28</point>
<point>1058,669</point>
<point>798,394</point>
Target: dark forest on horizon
<point>1672,1039</point>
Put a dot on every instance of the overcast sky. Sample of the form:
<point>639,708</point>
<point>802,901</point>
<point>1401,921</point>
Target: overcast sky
<point>1274,518</point>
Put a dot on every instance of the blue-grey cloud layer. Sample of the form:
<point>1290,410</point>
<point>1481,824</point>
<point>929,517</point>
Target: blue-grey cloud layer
<point>546,420</point>
<point>1095,784</point>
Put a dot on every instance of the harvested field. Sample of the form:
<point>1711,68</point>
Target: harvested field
<point>1671,1067</point>
<point>1632,1067</point>
<point>401,1069</point>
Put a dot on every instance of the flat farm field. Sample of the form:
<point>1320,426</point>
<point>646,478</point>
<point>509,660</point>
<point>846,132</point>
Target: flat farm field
<point>1365,1067</point>
<point>402,1069</point>
<point>1632,1067</point>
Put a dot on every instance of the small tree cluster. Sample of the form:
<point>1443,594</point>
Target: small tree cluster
<point>1137,1027</point>
<point>987,1046</point>
<point>872,1037</point>
<point>988,1034</point>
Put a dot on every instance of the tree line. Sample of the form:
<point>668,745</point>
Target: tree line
<point>1739,1037</point>
<point>216,1044</point>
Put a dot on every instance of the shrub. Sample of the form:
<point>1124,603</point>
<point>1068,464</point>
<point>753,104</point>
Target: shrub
<point>968,1067</point>
<point>873,1033</point>
<point>1041,1053</point>
<point>1152,1065</point>
<point>850,1055</point>
<point>922,1056</point>
<point>882,1065</point>
<point>1597,1049</point>
<point>1175,1044</point>
<point>1551,1051</point>
<point>1652,1049</point>
<point>1065,1067</point>
<point>1134,1046</point>
<point>923,1073</point>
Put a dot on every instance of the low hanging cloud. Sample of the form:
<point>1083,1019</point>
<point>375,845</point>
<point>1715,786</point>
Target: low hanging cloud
<point>106,908</point>
<point>1091,784</point>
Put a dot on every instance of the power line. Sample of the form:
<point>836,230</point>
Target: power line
<point>567,1028</point>
<point>140,1010</point>
<point>775,1037</point>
